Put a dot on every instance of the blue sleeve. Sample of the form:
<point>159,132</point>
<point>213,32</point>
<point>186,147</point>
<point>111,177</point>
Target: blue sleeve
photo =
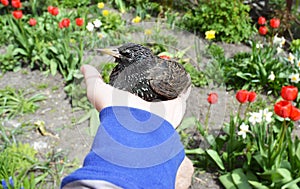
<point>132,149</point>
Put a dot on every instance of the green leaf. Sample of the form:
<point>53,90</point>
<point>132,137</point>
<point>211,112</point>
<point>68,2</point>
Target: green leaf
<point>40,178</point>
<point>21,51</point>
<point>186,123</point>
<point>298,152</point>
<point>53,49</point>
<point>257,184</point>
<point>292,184</point>
<point>211,140</point>
<point>84,117</point>
<point>281,175</point>
<point>53,67</point>
<point>197,151</point>
<point>240,179</point>
<point>94,122</point>
<point>215,156</point>
<point>227,181</point>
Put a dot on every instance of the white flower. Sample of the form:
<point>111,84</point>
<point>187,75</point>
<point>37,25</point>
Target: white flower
<point>298,63</point>
<point>271,76</point>
<point>267,116</point>
<point>255,117</point>
<point>243,130</point>
<point>259,45</point>
<point>294,77</point>
<point>291,58</point>
<point>97,23</point>
<point>90,27</point>
<point>280,41</point>
<point>101,35</point>
<point>279,50</point>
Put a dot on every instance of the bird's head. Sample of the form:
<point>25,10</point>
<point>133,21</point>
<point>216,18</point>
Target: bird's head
<point>129,53</point>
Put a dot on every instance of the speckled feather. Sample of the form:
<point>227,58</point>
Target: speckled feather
<point>148,76</point>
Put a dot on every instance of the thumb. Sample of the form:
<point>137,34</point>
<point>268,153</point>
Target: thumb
<point>95,86</point>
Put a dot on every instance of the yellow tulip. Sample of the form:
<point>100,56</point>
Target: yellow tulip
<point>105,12</point>
<point>148,32</point>
<point>100,5</point>
<point>137,19</point>
<point>210,34</point>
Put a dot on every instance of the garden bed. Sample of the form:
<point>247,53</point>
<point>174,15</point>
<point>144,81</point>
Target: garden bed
<point>48,109</point>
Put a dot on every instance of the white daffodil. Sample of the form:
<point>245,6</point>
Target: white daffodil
<point>279,50</point>
<point>97,23</point>
<point>298,63</point>
<point>255,117</point>
<point>294,77</point>
<point>243,130</point>
<point>291,58</point>
<point>101,35</point>
<point>267,116</point>
<point>271,76</point>
<point>259,45</point>
<point>90,27</point>
<point>280,41</point>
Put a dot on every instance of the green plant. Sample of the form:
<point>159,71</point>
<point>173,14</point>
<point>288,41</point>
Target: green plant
<point>111,22</point>
<point>16,159</point>
<point>254,150</point>
<point>10,60</point>
<point>144,9</point>
<point>45,45</point>
<point>224,17</point>
<point>106,70</point>
<point>295,45</point>
<point>74,3</point>
<point>198,77</point>
<point>252,70</point>
<point>16,102</point>
<point>21,168</point>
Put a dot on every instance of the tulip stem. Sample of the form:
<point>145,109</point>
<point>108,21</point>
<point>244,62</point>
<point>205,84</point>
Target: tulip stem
<point>206,119</point>
<point>280,141</point>
<point>282,134</point>
<point>247,109</point>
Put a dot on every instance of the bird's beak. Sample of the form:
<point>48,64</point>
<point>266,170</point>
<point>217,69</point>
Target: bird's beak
<point>113,52</point>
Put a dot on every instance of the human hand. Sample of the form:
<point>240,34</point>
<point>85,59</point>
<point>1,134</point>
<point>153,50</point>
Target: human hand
<point>102,95</point>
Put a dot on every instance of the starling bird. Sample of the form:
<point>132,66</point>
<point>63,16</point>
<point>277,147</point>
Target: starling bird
<point>140,72</point>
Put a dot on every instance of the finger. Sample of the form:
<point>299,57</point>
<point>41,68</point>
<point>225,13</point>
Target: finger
<point>90,74</point>
<point>98,93</point>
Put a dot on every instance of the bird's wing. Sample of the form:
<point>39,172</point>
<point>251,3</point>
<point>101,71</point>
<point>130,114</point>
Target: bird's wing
<point>169,78</point>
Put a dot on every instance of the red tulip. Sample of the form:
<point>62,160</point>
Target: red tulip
<point>242,96</point>
<point>212,98</point>
<point>17,14</point>
<point>295,114</point>
<point>53,10</point>
<point>263,30</point>
<point>50,8</point>
<point>166,57</point>
<point>79,21</point>
<point>252,96</point>
<point>5,2</point>
<point>32,22</point>
<point>283,108</point>
<point>289,92</point>
<point>274,22</point>
<point>261,20</point>
<point>60,25</point>
<point>16,4</point>
<point>66,22</point>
